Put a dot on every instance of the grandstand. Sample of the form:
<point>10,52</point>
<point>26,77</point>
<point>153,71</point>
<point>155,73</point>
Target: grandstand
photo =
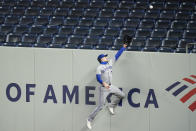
<point>99,24</point>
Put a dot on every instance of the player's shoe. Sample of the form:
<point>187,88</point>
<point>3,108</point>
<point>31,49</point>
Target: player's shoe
<point>111,110</point>
<point>88,123</point>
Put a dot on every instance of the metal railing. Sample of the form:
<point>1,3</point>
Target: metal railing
<point>188,45</point>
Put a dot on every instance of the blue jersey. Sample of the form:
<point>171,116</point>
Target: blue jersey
<point>104,70</point>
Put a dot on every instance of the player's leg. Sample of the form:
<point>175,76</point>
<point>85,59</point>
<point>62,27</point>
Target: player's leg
<point>118,95</point>
<point>103,93</point>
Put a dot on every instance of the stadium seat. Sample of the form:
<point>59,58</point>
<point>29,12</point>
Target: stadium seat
<point>126,4</point>
<point>18,11</point>
<point>81,31</point>
<point>58,42</point>
<point>112,32</point>
<point>2,38</point>
<point>143,33</point>
<point>61,12</point>
<point>91,12</point>
<point>167,14</point>
<point>137,44</point>
<point>5,29</point>
<point>66,30</point>
<point>153,44</point>
<point>4,11</point>
<point>67,4</point>
<point>76,12</point>
<point>179,25</point>
<point>106,13</point>
<point>51,30</point>
<point>38,3</point>
<point>36,29</point>
<point>91,40</point>
<point>40,20</point>
<point>119,41</point>
<point>109,41</point>
<point>47,11</point>
<point>116,22</point>
<point>28,40</point>
<point>58,39</point>
<point>132,23</point>
<point>97,31</point>
<point>152,14</point>
<point>146,23</point>
<point>21,29</point>
<point>169,45</point>
<point>171,6</point>
<point>182,45</point>
<point>23,3</point>
<point>97,4</point>
<point>101,22</point>
<point>101,47</point>
<point>70,46</point>
<point>53,3</point>
<point>193,16</point>
<point>32,11</point>
<point>12,20</point>
<point>194,49</point>
<point>141,5</point>
<point>43,41</point>
<point>157,5</point>
<point>56,21</point>
<point>137,13</point>
<point>111,4</point>
<point>116,47</point>
<point>12,40</point>
<point>191,25</point>
<point>190,34</point>
<point>162,24</point>
<point>75,39</point>
<point>127,31</point>
<point>86,21</point>
<point>86,46</point>
<point>175,34</point>
<point>71,21</point>
<point>1,19</point>
<point>121,13</point>
<point>82,4</point>
<point>183,15</point>
<point>26,20</point>
<point>159,33</point>
<point>187,6</point>
<point>9,3</point>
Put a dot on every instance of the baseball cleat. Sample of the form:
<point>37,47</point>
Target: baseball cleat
<point>111,110</point>
<point>88,123</point>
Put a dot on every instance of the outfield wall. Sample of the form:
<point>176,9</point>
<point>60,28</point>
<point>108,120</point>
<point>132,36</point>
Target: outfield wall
<point>37,85</point>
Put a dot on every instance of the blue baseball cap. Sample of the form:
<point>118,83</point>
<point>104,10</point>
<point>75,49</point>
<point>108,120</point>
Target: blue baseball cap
<point>101,56</point>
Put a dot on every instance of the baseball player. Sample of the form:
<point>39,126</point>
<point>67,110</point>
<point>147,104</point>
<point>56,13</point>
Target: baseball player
<point>104,77</point>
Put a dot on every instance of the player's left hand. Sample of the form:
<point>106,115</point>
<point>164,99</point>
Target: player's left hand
<point>125,45</point>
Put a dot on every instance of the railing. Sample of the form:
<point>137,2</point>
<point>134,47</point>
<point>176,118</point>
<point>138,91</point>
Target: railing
<point>188,45</point>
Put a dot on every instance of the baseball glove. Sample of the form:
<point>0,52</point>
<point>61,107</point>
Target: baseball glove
<point>127,39</point>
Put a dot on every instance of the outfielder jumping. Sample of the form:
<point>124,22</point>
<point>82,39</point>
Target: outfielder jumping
<point>104,77</point>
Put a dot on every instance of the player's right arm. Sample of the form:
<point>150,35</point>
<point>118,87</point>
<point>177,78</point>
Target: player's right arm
<point>98,76</point>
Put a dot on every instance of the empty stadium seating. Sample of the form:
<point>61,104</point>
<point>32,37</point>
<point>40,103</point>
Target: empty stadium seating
<point>99,24</point>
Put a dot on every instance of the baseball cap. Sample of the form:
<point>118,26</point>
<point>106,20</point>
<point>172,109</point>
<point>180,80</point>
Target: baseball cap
<point>101,56</point>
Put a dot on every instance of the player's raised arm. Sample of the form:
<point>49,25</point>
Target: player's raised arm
<point>127,40</point>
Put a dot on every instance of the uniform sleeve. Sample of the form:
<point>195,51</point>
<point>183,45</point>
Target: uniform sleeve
<point>98,75</point>
<point>115,58</point>
<point>118,54</point>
